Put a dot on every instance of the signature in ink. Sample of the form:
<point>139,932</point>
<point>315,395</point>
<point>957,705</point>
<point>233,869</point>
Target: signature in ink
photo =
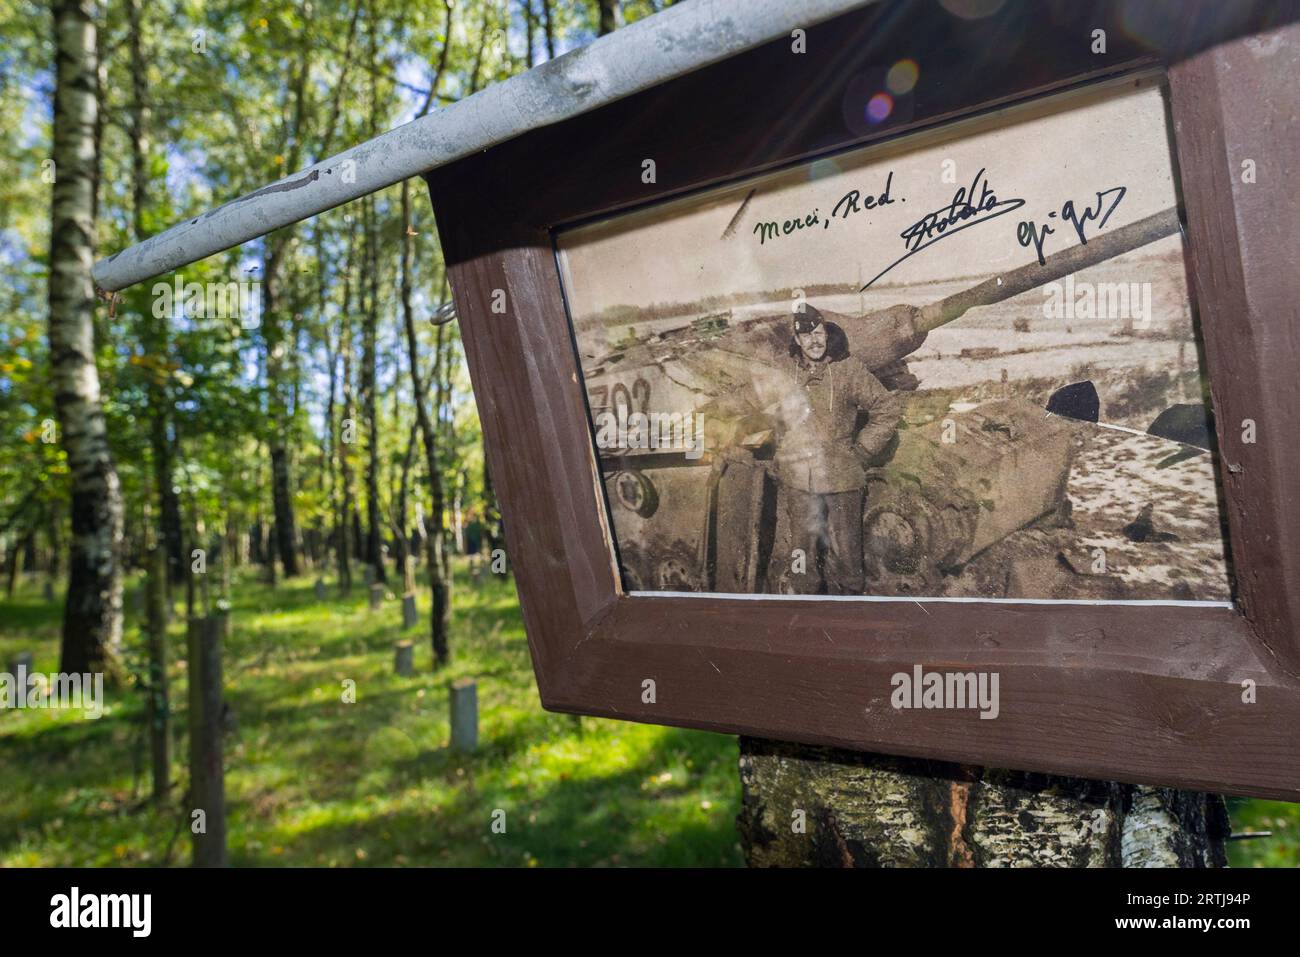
<point>1029,232</point>
<point>965,210</point>
<point>854,201</point>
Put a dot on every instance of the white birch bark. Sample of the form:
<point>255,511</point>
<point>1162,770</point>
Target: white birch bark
<point>804,806</point>
<point>92,621</point>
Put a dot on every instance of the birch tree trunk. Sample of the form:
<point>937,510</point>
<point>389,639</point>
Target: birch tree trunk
<point>402,544</point>
<point>819,807</point>
<point>607,17</point>
<point>277,439</point>
<point>275,269</point>
<point>347,428</point>
<point>155,337</point>
<point>92,617</point>
<point>329,444</point>
<point>370,346</point>
<point>434,537</point>
<point>550,29</point>
<point>369,399</point>
<point>530,27</point>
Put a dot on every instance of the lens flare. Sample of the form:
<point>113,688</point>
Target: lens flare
<point>823,168</point>
<point>879,107</point>
<point>901,77</point>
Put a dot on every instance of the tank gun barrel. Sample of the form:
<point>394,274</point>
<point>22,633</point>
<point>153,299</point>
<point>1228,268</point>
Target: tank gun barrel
<point>886,336</point>
<point>1056,266</point>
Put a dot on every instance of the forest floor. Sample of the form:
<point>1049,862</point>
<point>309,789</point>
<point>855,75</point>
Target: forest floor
<point>314,781</point>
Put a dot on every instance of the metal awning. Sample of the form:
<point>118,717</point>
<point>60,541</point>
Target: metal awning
<point>681,39</point>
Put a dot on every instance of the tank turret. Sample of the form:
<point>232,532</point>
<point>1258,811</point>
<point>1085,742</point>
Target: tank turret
<point>987,472</point>
<point>696,523</point>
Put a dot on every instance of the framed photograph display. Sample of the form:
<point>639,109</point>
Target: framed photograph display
<point>923,384</point>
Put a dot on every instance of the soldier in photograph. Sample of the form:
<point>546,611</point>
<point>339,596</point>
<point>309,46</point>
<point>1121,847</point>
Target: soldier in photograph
<point>833,417</point>
<point>821,456</point>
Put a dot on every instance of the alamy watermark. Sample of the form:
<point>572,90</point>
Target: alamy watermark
<point>947,690</point>
<point>624,430</point>
<point>37,691</point>
<point>240,298</point>
<point>1098,300</point>
<point>133,912</point>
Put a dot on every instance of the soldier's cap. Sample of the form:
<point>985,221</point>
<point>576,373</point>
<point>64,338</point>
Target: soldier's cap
<point>807,318</point>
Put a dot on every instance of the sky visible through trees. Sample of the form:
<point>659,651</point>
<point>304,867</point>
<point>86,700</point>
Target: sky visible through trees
<point>260,405</point>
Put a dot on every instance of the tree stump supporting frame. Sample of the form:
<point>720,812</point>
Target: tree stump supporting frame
<point>805,806</point>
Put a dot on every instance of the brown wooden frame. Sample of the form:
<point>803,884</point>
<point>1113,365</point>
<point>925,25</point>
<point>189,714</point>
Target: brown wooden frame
<point>1139,694</point>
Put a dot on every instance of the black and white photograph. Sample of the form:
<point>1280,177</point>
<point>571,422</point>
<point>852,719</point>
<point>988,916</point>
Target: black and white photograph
<point>960,365</point>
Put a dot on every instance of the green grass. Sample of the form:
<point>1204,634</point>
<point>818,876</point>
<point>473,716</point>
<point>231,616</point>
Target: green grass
<point>1280,818</point>
<point>311,780</point>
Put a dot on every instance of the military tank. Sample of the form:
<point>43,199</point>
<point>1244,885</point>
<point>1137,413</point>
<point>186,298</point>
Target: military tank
<point>949,486</point>
<point>988,472</point>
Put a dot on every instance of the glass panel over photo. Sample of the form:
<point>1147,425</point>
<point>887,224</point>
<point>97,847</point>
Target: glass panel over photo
<point>960,365</point>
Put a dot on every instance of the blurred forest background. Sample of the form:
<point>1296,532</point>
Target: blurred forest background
<point>291,445</point>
